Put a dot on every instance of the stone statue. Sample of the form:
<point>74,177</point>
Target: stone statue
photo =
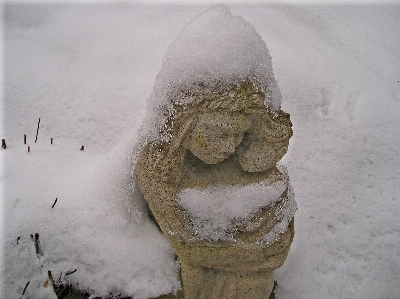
<point>225,138</point>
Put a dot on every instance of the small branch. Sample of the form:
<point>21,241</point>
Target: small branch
<point>24,138</point>
<point>58,290</point>
<point>29,149</point>
<point>51,280</point>
<point>51,140</point>
<point>59,279</point>
<point>54,203</point>
<point>37,131</point>
<point>37,244</point>
<point>70,272</point>
<point>23,292</point>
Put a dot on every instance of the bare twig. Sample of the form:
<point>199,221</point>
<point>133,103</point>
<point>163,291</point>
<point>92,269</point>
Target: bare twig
<point>59,279</point>
<point>54,203</point>
<point>24,138</point>
<point>37,131</point>
<point>23,292</point>
<point>37,244</point>
<point>29,148</point>
<point>58,290</point>
<point>70,272</point>
<point>51,280</point>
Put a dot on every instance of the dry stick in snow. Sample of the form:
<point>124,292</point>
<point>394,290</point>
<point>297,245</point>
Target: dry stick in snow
<point>37,244</point>
<point>54,203</point>
<point>24,138</point>
<point>52,280</point>
<point>3,143</point>
<point>70,272</point>
<point>51,140</point>
<point>23,292</point>
<point>57,290</point>
<point>59,279</point>
<point>29,148</point>
<point>37,131</point>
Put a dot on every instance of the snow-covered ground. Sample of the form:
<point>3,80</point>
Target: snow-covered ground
<point>86,72</point>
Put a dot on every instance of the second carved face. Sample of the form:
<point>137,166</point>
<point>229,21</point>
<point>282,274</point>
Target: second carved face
<point>216,136</point>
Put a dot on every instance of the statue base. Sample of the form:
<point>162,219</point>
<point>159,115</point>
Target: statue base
<point>217,271</point>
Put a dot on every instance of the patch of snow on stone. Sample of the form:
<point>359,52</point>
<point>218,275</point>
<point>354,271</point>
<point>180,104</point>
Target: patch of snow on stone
<point>215,211</point>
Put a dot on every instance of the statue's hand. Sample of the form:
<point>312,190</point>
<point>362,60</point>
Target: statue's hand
<point>266,142</point>
<point>262,155</point>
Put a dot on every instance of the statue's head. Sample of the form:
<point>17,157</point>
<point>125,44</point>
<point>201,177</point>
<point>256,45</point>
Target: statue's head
<point>219,123</point>
<point>216,96</point>
<point>214,124</point>
<point>238,124</point>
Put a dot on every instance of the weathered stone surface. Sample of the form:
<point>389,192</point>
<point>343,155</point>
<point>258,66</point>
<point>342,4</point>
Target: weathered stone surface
<point>215,134</point>
<point>215,143</point>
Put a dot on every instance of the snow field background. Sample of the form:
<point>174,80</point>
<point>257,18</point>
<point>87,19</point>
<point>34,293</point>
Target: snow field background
<point>87,71</point>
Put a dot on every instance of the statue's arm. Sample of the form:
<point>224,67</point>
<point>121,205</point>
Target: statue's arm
<point>160,197</point>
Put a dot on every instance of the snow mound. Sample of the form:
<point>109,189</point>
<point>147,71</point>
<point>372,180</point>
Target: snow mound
<point>215,211</point>
<point>213,50</point>
<point>98,225</point>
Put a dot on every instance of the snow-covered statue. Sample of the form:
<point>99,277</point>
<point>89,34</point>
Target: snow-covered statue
<point>208,165</point>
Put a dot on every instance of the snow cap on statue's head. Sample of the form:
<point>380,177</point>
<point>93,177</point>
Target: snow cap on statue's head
<point>216,48</point>
<point>214,52</point>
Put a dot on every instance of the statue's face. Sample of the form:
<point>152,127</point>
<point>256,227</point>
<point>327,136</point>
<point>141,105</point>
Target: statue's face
<point>216,135</point>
